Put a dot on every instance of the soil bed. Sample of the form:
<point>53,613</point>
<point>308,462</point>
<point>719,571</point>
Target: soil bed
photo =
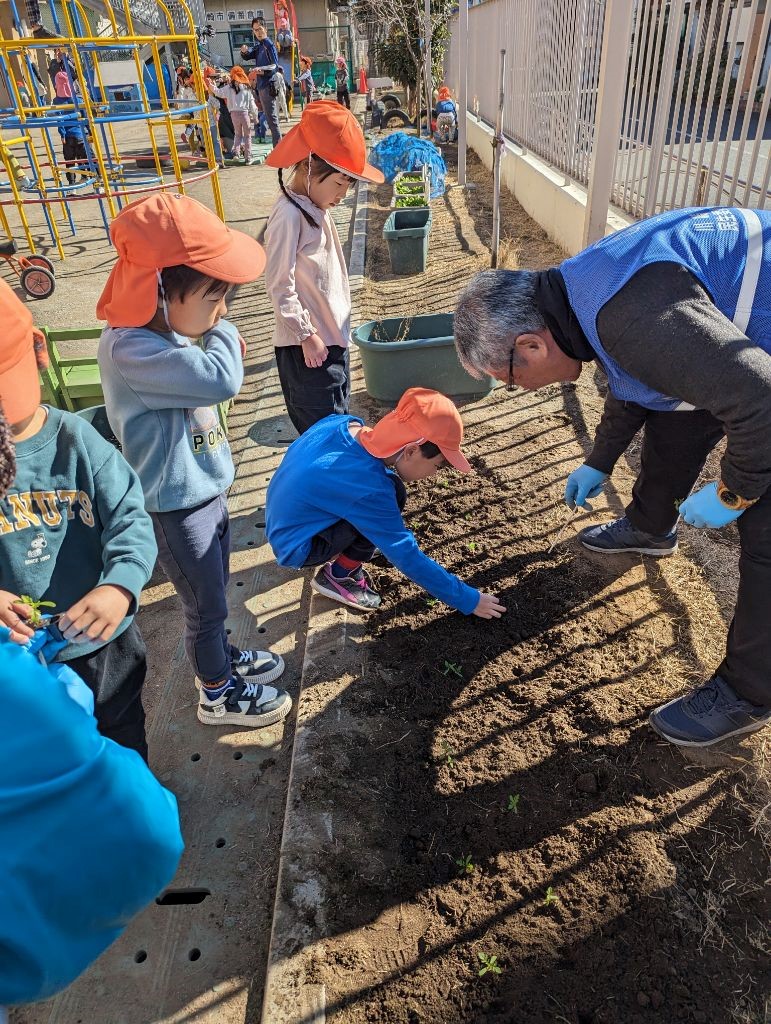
<point>474,767</point>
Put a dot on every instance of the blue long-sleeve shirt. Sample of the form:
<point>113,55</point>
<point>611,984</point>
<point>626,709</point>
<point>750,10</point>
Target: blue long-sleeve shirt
<point>162,393</point>
<point>326,476</point>
<point>74,518</point>
<point>264,55</point>
<point>87,835</point>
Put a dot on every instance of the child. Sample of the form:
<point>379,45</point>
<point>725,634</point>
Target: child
<point>446,116</point>
<point>261,129</point>
<point>240,102</point>
<point>175,265</point>
<point>306,78</point>
<point>282,100</point>
<point>73,531</point>
<point>306,276</point>
<point>339,493</point>
<point>341,82</point>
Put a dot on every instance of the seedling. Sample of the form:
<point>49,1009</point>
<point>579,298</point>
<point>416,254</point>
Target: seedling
<point>35,618</point>
<point>403,201</point>
<point>451,667</point>
<point>550,898</point>
<point>513,803</point>
<point>449,760</point>
<point>465,865</point>
<point>444,482</point>
<point>489,963</point>
<point>472,545</point>
<point>430,601</point>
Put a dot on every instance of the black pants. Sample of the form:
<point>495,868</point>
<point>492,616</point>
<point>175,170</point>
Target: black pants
<point>341,538</point>
<point>115,675</point>
<point>73,149</point>
<point>675,447</point>
<point>344,98</point>
<point>311,393</point>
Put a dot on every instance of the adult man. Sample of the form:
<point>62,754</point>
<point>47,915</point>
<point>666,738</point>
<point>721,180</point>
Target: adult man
<point>265,58</point>
<point>676,311</point>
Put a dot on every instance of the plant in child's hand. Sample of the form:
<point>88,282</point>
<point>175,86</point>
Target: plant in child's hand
<point>451,667</point>
<point>513,803</point>
<point>465,865</point>
<point>550,898</point>
<point>35,617</point>
<point>490,963</point>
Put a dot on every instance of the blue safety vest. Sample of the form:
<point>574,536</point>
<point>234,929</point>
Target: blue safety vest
<point>727,249</point>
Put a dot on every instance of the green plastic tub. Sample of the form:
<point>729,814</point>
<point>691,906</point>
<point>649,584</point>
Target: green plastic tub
<point>423,356</point>
<point>406,232</point>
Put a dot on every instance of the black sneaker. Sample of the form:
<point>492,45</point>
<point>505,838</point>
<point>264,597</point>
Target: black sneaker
<point>619,535</point>
<point>245,703</point>
<point>354,590</point>
<point>258,666</point>
<point>709,714</point>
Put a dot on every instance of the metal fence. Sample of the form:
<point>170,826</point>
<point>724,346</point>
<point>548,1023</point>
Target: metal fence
<point>695,127</point>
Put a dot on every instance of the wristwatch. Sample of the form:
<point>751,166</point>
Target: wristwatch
<point>733,500</point>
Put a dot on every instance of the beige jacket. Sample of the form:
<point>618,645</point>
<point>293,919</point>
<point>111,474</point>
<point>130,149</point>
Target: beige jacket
<point>306,276</point>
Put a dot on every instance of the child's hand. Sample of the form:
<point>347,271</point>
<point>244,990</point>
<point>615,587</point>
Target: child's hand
<point>314,350</point>
<point>489,607</point>
<point>13,614</point>
<point>95,616</point>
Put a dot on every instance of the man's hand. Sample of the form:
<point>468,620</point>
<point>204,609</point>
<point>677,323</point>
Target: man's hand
<point>314,350</point>
<point>489,607</point>
<point>14,615</point>
<point>583,483</point>
<point>704,508</point>
<point>244,49</point>
<point>95,616</point>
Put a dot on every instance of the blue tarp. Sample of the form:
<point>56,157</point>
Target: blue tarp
<point>402,152</point>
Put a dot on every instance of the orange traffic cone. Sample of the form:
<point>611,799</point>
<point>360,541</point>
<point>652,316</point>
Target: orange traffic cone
<point>363,87</point>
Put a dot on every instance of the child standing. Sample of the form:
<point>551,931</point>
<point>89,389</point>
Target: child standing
<point>341,82</point>
<point>176,263</point>
<point>306,78</point>
<point>306,276</point>
<point>73,531</point>
<point>339,493</point>
<point>237,94</point>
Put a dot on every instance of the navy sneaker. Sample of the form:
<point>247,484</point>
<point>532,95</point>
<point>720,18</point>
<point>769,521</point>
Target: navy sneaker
<point>707,715</point>
<point>258,666</point>
<point>245,703</point>
<point>354,590</point>
<point>620,535</point>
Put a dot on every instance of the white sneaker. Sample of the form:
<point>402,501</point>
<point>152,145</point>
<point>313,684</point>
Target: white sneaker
<point>245,703</point>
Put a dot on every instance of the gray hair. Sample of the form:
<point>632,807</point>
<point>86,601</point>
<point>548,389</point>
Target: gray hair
<point>493,310</point>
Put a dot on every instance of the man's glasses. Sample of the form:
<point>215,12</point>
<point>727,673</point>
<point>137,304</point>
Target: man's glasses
<point>510,385</point>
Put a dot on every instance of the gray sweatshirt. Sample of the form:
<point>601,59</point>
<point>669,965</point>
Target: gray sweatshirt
<point>162,393</point>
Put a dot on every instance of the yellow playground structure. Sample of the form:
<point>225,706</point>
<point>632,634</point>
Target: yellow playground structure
<point>123,141</point>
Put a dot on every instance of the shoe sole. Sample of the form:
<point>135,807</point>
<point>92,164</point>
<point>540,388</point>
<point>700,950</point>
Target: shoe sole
<point>656,552</point>
<point>704,743</point>
<point>246,721</point>
<point>334,596</point>
<point>261,677</point>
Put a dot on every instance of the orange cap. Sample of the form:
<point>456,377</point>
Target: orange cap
<point>237,74</point>
<point>332,132</point>
<point>444,93</point>
<point>167,230</point>
<point>421,415</point>
<point>19,380</point>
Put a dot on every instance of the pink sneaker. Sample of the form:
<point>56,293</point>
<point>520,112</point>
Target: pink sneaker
<point>354,590</point>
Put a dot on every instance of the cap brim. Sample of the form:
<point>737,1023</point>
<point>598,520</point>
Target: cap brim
<point>20,388</point>
<point>457,460</point>
<point>242,262</point>
<point>369,173</point>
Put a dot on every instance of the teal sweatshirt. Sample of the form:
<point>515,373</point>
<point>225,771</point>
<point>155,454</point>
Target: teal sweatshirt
<point>74,518</point>
<point>162,393</point>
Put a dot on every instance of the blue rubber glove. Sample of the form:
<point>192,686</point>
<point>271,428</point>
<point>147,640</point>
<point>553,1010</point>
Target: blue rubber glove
<point>583,483</point>
<point>47,642</point>
<point>704,508</point>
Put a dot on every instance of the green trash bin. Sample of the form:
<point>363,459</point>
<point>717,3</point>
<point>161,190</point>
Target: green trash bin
<point>400,353</point>
<point>406,232</point>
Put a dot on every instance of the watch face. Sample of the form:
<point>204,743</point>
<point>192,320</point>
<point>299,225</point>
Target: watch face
<point>729,498</point>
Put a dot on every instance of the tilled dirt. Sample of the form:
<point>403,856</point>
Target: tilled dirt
<point>494,786</point>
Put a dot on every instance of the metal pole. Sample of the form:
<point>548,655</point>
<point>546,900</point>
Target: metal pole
<point>462,89</point>
<point>427,73</point>
<point>610,101</point>
<point>497,154</point>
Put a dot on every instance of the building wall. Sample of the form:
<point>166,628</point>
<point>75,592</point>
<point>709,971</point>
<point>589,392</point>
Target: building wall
<point>231,18</point>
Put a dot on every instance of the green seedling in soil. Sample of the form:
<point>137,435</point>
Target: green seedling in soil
<point>465,865</point>
<point>490,963</point>
<point>513,803</point>
<point>449,760</point>
<point>405,201</point>
<point>550,898</point>
<point>472,546</point>
<point>451,667</point>
<point>408,188</point>
<point>35,618</point>
<point>444,482</point>
<point>431,601</point>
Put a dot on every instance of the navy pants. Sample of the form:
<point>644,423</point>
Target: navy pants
<point>313,392</point>
<point>341,538</point>
<point>269,105</point>
<point>194,550</point>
